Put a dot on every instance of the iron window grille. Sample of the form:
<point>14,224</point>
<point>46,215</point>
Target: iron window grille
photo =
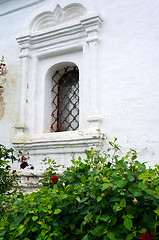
<point>65,116</point>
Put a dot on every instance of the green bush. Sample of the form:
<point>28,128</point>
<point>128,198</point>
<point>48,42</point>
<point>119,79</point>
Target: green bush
<point>7,176</point>
<point>101,197</point>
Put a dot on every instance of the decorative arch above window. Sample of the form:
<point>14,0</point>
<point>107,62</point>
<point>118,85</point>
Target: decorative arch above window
<point>58,16</point>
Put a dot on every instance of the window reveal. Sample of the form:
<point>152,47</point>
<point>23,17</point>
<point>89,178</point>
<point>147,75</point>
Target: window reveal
<point>65,100</point>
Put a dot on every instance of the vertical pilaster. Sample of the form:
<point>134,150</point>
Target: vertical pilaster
<point>92,26</point>
<point>32,94</point>
<point>25,63</point>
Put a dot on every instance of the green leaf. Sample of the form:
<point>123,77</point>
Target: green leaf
<point>99,198</point>
<point>98,231</point>
<point>104,218</point>
<point>57,211</point>
<point>130,178</point>
<point>129,216</point>
<point>77,231</point>
<point>34,218</point>
<point>129,236</point>
<point>43,225</point>
<point>39,238</point>
<point>142,230</point>
<point>12,227</point>
<point>105,186</point>
<point>31,212</point>
<point>49,160</point>
<point>85,237</point>
<point>64,196</point>
<point>43,232</point>
<point>157,211</point>
<point>123,203</point>
<point>105,237</point>
<point>128,223</point>
<point>81,200</point>
<point>111,235</point>
<point>49,206</point>
<point>122,183</point>
<point>34,229</point>
<point>83,179</point>
<point>49,238</point>
<point>157,189</point>
<point>117,207</point>
<point>21,230</point>
<point>2,233</point>
<point>40,222</point>
<point>78,199</point>
<point>112,221</point>
<point>44,209</point>
<point>26,220</point>
<point>114,199</point>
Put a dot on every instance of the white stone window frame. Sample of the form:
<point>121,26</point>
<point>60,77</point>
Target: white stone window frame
<point>61,44</point>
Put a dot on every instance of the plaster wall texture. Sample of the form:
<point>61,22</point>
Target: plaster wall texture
<point>126,63</point>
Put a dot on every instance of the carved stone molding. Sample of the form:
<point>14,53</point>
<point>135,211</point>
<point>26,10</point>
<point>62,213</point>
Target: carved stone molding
<point>59,15</point>
<point>60,146</point>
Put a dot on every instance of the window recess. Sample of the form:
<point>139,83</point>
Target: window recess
<point>65,116</point>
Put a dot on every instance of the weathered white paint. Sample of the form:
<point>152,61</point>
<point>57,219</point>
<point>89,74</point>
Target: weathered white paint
<point>114,44</point>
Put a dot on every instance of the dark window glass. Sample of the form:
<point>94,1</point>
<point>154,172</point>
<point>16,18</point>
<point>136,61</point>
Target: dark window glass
<point>66,100</point>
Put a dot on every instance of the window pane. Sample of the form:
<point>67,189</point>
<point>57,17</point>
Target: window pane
<point>67,100</point>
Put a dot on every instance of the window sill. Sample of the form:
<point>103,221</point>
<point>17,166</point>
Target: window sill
<point>58,141</point>
<point>61,146</point>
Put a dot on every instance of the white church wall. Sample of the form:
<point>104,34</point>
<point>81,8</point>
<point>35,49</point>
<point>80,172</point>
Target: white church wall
<point>124,96</point>
<point>129,65</point>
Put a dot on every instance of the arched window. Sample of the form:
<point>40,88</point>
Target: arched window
<point>65,115</point>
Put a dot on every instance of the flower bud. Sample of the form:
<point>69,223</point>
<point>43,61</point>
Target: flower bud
<point>135,201</point>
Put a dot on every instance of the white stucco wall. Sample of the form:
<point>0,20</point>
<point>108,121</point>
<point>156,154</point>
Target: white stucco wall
<point>127,66</point>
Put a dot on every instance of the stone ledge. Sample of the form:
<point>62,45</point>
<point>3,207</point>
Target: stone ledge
<point>29,181</point>
<point>66,142</point>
